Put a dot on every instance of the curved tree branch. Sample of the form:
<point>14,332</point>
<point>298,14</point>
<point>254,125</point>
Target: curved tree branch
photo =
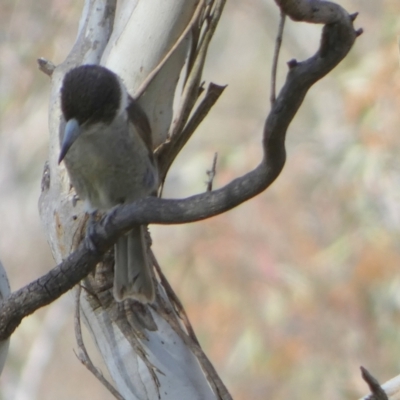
<point>337,39</point>
<point>313,11</point>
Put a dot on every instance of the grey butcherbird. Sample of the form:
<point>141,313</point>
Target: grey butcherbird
<point>106,147</point>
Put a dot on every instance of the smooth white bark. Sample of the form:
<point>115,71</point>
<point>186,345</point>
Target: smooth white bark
<point>144,31</point>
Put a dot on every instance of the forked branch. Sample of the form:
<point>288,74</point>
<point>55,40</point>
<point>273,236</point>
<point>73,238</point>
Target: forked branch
<point>338,36</point>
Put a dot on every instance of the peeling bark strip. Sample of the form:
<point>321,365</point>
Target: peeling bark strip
<point>338,37</point>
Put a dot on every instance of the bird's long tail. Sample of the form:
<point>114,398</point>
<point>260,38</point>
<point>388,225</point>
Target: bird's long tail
<point>132,274</point>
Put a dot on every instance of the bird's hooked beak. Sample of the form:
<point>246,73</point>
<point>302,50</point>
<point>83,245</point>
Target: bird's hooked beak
<point>71,133</point>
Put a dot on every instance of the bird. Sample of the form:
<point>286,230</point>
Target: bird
<point>107,151</point>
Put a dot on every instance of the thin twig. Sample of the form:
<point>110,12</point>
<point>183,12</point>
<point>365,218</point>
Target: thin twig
<point>175,300</point>
<point>168,151</point>
<point>142,88</point>
<point>278,43</point>
<point>83,355</point>
<point>190,91</point>
<point>211,173</point>
<point>377,392</point>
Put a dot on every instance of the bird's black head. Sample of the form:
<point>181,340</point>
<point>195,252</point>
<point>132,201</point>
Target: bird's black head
<point>90,94</point>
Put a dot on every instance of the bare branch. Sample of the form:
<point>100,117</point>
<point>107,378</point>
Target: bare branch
<point>211,173</point>
<point>169,150</point>
<point>190,92</point>
<point>377,392</point>
<point>391,388</point>
<point>338,36</point>
<point>314,11</point>
<point>278,43</point>
<point>49,287</point>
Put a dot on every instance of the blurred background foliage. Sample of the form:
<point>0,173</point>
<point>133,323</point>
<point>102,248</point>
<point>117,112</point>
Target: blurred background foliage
<point>289,293</point>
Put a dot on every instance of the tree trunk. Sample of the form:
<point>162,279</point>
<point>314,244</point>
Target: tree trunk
<point>147,349</point>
